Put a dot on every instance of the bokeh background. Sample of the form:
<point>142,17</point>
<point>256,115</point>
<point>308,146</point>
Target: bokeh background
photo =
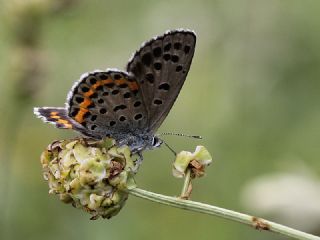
<point>252,93</point>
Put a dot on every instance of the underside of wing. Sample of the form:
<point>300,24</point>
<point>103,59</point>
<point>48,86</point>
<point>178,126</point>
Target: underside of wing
<point>107,103</point>
<point>160,67</point>
<point>57,116</point>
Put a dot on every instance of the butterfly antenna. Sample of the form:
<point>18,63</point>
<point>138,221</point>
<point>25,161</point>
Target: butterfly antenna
<point>170,148</point>
<point>181,135</point>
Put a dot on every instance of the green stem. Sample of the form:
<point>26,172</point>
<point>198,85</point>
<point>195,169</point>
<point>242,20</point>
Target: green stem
<point>255,222</point>
<point>186,184</point>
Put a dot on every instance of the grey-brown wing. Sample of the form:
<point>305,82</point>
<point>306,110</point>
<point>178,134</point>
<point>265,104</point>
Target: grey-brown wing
<point>107,103</point>
<point>161,66</point>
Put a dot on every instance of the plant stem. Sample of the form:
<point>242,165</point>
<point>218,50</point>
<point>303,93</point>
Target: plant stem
<point>257,223</point>
<point>185,193</point>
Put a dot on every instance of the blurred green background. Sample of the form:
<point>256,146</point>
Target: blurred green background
<point>252,93</point>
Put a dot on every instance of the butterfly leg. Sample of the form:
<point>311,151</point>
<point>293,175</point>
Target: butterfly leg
<point>138,162</point>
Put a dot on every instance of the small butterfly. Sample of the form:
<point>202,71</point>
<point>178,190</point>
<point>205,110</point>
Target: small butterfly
<point>130,105</point>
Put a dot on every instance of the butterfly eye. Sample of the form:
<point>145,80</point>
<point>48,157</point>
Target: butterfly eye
<point>156,142</point>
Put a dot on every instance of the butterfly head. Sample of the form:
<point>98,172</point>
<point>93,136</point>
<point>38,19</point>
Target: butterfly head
<point>156,142</point>
<point>138,143</point>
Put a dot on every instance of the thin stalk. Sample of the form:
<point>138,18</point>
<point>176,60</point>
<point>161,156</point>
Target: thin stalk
<point>257,223</point>
<point>185,193</point>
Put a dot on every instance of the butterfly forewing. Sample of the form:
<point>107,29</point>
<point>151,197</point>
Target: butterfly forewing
<point>107,103</point>
<point>160,67</point>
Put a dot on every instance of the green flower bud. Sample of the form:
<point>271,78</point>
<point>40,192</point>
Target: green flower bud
<point>91,175</point>
<point>196,161</point>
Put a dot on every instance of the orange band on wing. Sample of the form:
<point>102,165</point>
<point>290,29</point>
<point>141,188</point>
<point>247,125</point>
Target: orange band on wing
<point>80,114</point>
<point>86,102</point>
<point>59,119</point>
<point>89,93</point>
<point>107,81</point>
<point>121,81</point>
<point>65,123</point>
<point>94,86</point>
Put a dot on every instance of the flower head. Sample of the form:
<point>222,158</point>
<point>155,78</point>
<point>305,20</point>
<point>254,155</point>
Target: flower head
<point>196,161</point>
<point>91,175</point>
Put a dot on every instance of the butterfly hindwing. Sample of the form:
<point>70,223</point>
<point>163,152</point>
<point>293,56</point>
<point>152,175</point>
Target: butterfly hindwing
<point>161,66</point>
<point>56,116</point>
<point>107,103</point>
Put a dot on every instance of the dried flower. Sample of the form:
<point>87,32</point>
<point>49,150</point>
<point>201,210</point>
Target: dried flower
<point>91,175</point>
<point>196,161</point>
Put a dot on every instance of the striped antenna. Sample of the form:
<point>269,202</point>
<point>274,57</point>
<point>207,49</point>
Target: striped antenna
<point>180,135</point>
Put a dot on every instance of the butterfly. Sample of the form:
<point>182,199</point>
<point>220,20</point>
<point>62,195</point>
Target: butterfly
<point>129,106</point>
